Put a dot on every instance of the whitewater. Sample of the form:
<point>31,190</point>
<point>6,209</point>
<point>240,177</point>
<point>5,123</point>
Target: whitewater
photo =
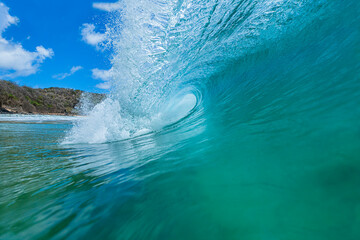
<point>229,119</point>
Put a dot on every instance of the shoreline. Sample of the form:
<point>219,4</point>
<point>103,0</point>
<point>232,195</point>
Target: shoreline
<point>7,112</point>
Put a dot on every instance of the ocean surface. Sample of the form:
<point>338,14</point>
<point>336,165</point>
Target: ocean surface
<point>225,120</point>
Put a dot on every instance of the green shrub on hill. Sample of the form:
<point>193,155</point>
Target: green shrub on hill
<point>22,99</point>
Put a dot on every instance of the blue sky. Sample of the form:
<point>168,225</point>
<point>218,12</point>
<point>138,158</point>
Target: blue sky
<point>47,43</point>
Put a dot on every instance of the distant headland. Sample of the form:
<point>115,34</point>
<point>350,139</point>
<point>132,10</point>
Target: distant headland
<point>56,101</point>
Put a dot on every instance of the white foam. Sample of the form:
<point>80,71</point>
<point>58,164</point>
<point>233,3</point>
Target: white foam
<point>108,122</point>
<point>37,118</point>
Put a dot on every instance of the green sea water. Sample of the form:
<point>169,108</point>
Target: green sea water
<point>269,150</point>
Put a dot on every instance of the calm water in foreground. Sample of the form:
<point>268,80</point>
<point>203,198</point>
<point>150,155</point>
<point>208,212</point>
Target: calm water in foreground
<point>180,184</point>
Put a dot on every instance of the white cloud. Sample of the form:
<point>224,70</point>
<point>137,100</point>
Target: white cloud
<point>73,70</point>
<point>104,85</point>
<point>90,36</point>
<point>108,7</point>
<point>104,75</point>
<point>14,59</point>
<point>5,18</point>
<point>44,53</point>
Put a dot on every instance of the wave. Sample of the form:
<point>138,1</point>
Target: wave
<point>244,61</point>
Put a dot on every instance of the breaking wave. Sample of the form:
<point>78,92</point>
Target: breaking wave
<point>241,58</point>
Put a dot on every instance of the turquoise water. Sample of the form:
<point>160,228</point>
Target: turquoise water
<point>226,120</point>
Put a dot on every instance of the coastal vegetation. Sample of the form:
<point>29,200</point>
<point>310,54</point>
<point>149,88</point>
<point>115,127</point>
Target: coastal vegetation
<point>54,100</point>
